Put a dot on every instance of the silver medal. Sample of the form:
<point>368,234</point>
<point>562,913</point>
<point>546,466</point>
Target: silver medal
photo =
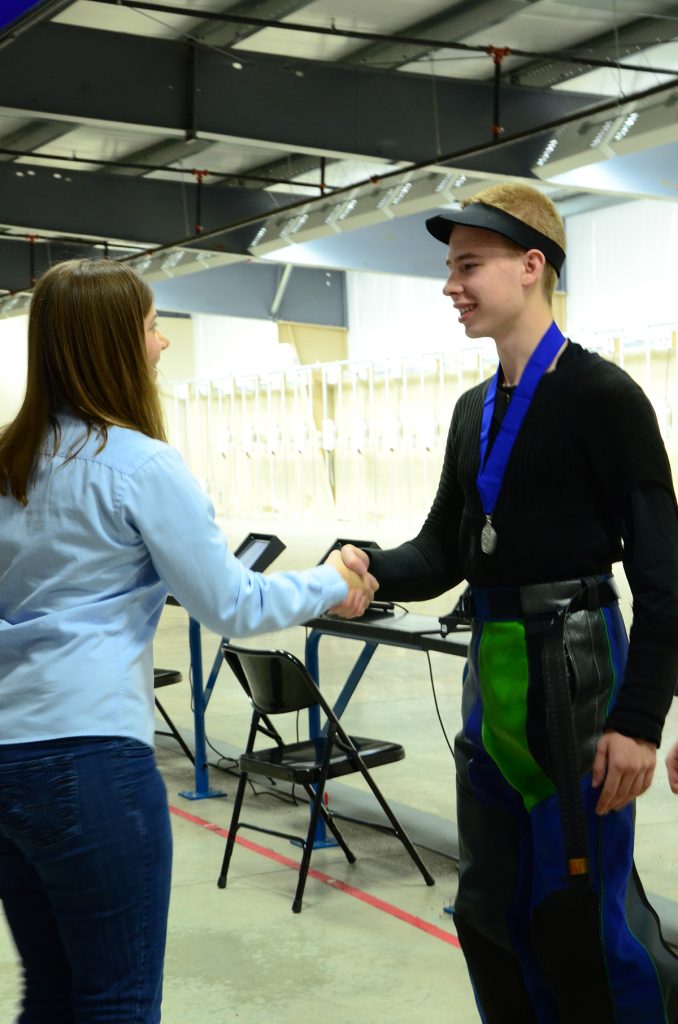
<point>488,537</point>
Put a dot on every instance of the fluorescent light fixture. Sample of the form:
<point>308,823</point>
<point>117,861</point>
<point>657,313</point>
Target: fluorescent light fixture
<point>632,150</point>
<point>413,192</point>
<point>15,305</point>
<point>142,265</point>
<point>177,262</point>
<point>172,260</point>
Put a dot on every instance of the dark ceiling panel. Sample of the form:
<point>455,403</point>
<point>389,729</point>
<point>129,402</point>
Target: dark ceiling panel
<point>315,104</point>
<point>20,260</point>
<point>106,206</point>
<point>247,289</point>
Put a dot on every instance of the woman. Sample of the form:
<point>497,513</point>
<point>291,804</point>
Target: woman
<point>99,519</point>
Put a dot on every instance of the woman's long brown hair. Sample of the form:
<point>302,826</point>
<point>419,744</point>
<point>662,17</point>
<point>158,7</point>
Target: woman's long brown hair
<point>86,356</point>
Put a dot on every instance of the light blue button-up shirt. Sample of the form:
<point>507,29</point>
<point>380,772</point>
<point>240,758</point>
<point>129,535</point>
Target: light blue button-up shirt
<point>84,572</point>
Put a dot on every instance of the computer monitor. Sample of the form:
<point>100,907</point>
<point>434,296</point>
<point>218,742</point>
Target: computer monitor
<point>258,550</point>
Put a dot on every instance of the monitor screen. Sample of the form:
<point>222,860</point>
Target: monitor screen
<point>258,550</point>
<point>254,549</point>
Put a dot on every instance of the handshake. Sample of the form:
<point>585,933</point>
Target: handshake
<point>351,563</point>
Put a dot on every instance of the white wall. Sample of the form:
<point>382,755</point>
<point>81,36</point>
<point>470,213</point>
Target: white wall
<point>13,362</point>
<point>390,315</point>
<point>228,345</point>
<point>622,270</point>
<point>178,361</point>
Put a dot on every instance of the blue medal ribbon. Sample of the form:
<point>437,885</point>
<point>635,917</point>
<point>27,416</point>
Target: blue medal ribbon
<point>493,467</point>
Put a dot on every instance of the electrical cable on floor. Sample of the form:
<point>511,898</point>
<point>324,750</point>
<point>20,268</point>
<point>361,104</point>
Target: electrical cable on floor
<point>234,765</point>
<point>222,757</point>
<point>435,701</point>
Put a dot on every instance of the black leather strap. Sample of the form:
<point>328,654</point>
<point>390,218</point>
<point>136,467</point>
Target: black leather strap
<point>562,741</point>
<point>543,599</point>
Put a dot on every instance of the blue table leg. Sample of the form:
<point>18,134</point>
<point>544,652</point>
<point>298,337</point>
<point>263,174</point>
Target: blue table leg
<point>202,787</point>
<point>314,729</point>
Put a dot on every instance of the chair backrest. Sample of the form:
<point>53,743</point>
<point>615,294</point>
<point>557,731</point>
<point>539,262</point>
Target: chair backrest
<point>276,681</point>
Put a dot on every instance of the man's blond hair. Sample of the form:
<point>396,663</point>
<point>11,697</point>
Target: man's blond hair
<point>533,208</point>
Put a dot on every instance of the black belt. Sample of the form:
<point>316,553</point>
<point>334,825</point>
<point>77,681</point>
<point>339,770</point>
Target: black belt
<point>543,599</point>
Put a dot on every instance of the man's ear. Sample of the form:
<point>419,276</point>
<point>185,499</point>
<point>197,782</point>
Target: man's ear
<point>533,266</point>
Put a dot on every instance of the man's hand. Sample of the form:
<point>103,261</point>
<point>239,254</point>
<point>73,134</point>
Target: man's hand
<point>671,762</point>
<point>362,585</point>
<point>624,767</point>
<point>354,558</point>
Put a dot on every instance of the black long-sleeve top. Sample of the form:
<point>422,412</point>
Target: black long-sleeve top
<point>587,484</point>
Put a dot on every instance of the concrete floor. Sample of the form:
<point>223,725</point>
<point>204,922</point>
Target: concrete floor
<point>373,942</point>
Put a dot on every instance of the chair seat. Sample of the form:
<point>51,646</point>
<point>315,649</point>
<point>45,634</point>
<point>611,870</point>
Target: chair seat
<point>277,683</point>
<point>302,762</point>
<point>165,677</point>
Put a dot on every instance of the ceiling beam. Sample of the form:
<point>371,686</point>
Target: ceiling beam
<point>294,165</point>
<point>623,42</point>
<point>450,25</point>
<point>32,136</point>
<point>314,106</point>
<point>163,153</point>
<point>225,35</point>
<point>141,211</point>
<point>21,261</point>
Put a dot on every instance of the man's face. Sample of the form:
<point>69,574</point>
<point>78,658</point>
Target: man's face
<point>484,281</point>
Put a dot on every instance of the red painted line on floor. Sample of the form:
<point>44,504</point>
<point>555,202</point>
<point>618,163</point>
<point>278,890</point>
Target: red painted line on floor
<point>320,876</point>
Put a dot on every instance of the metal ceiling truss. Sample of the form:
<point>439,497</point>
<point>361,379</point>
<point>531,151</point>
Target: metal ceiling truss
<point>31,136</point>
<point>625,41</point>
<point>425,44</point>
<point>195,96</point>
<point>451,25</point>
<point>227,34</point>
<point>141,211</point>
<point>315,104</point>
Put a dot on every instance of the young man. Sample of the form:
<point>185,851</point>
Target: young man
<point>554,470</point>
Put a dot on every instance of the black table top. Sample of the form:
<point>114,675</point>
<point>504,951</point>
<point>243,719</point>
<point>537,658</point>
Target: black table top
<point>398,629</point>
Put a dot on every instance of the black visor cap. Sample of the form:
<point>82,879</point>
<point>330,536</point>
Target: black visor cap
<point>491,218</point>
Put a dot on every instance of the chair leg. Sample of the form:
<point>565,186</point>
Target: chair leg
<point>398,829</point>
<point>332,826</point>
<point>308,846</point>
<point>232,829</point>
<point>173,729</point>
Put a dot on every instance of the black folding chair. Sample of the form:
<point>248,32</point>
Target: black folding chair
<point>165,677</point>
<point>278,683</point>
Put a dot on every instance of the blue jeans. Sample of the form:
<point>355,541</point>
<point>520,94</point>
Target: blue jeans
<point>85,863</point>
